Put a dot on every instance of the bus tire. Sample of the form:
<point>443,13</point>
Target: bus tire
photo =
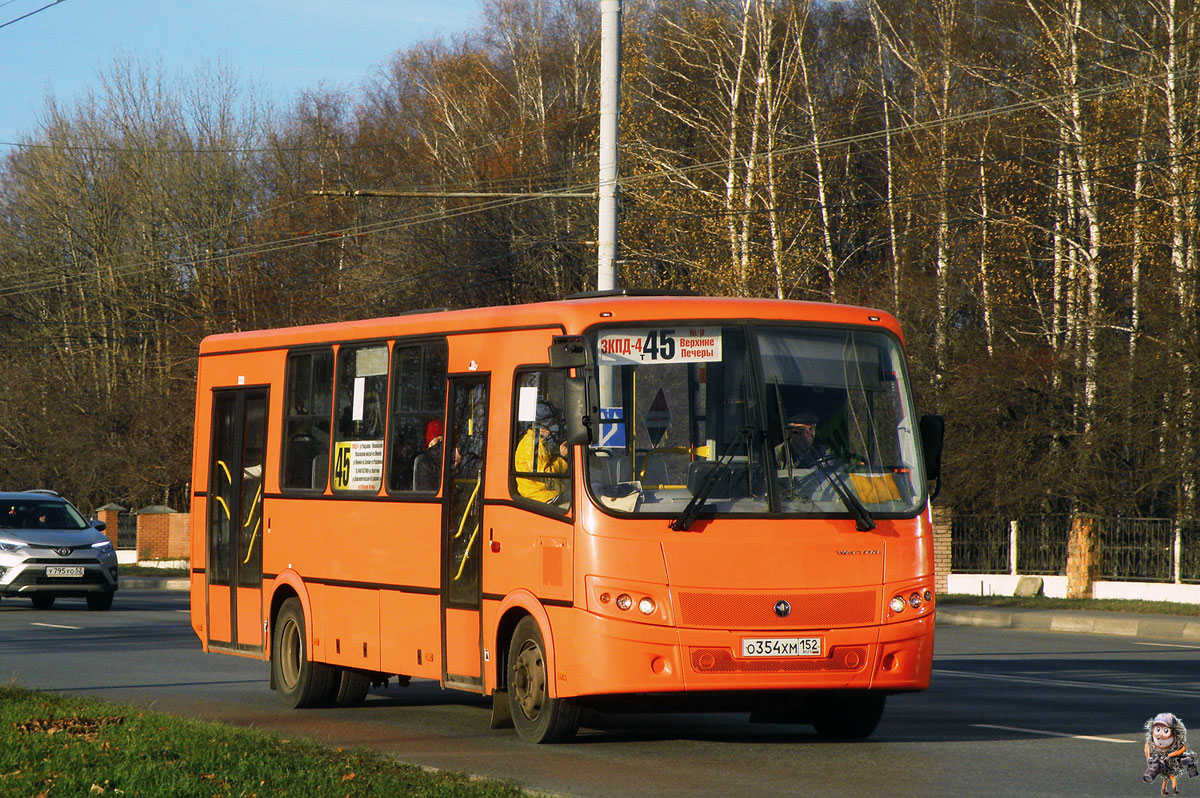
<point>99,602</point>
<point>301,682</point>
<point>538,718</point>
<point>348,688</point>
<point>846,715</point>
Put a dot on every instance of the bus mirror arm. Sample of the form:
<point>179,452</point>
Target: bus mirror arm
<point>933,432</point>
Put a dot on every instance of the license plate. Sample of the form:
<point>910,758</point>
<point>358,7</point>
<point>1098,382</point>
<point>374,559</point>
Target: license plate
<point>781,646</point>
<point>64,570</point>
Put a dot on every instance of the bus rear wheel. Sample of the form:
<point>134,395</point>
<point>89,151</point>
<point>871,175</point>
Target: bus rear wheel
<point>301,682</point>
<point>847,715</point>
<point>538,718</point>
<point>348,687</point>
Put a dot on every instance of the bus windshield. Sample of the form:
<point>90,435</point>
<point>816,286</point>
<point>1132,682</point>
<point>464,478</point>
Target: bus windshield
<point>753,420</point>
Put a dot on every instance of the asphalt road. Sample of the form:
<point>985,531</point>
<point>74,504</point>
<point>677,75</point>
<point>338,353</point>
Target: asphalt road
<point>1010,713</point>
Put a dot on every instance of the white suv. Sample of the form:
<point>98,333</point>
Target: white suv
<point>48,550</point>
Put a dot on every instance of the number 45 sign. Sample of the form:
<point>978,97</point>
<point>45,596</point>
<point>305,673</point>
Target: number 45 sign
<point>654,346</point>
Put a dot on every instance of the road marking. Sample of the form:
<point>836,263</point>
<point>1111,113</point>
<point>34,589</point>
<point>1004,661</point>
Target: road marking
<point>1120,688</point>
<point>54,625</point>
<point>1053,734</point>
<point>1165,645</point>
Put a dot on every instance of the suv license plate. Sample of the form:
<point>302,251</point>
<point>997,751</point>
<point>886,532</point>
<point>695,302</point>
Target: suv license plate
<point>64,570</point>
<point>781,646</point>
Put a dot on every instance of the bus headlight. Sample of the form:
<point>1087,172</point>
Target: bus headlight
<point>627,600</point>
<point>897,604</point>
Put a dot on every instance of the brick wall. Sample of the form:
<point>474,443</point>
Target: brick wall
<point>941,548</point>
<point>179,536</point>
<point>1083,557</point>
<point>110,515</point>
<point>154,533</point>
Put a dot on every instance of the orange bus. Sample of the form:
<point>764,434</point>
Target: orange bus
<point>616,501</point>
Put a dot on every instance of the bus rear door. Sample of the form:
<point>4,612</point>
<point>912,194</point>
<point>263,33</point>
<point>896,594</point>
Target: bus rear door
<point>235,518</point>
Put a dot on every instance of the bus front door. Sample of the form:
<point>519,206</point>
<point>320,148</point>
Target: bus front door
<point>462,533</point>
<point>235,533</point>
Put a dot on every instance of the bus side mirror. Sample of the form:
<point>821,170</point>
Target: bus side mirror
<point>578,421</point>
<point>933,431</point>
<point>568,352</point>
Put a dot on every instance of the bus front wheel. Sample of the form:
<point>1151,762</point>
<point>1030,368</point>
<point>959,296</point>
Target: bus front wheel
<point>849,715</point>
<point>301,682</point>
<point>537,717</point>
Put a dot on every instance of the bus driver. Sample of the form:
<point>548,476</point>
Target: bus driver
<point>534,456</point>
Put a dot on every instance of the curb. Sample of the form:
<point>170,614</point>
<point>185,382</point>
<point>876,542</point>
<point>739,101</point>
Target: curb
<point>1097,622</point>
<point>153,583</point>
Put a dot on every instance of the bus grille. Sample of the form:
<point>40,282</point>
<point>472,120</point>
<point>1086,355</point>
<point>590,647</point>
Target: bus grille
<point>757,610</point>
<point>721,660</point>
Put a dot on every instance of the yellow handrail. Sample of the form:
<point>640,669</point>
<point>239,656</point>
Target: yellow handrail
<point>467,510</point>
<point>466,553</point>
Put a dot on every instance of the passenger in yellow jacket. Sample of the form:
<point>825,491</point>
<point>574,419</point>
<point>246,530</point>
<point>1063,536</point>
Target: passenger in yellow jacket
<point>533,456</point>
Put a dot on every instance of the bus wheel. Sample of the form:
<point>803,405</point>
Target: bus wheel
<point>99,602</point>
<point>849,715</point>
<point>301,682</point>
<point>537,717</point>
<point>348,688</point>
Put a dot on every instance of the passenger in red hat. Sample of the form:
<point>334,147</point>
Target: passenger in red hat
<point>427,468</point>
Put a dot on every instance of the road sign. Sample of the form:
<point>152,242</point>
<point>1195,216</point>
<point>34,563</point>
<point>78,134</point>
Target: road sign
<point>658,418</point>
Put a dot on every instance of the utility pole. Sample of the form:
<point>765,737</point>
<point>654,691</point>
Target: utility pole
<point>610,107</point>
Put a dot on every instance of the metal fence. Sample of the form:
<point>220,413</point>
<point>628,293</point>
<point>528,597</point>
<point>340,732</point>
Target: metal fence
<point>1189,551</point>
<point>126,531</point>
<point>1136,549</point>
<point>1042,544</point>
<point>1131,549</point>
<point>979,544</point>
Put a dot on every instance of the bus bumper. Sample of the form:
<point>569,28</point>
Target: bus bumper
<point>624,658</point>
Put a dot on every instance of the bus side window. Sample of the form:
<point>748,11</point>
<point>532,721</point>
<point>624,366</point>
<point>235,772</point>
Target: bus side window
<point>541,463</point>
<point>361,399</point>
<point>418,414</point>
<point>306,421</point>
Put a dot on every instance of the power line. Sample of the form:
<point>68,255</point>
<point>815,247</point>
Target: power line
<point>30,14</point>
<point>264,248</point>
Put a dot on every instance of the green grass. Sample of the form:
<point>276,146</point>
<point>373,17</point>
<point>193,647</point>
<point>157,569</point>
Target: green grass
<point>145,570</point>
<point>1043,602</point>
<point>53,745</point>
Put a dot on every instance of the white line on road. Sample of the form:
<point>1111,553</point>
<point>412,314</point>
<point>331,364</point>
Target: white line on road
<point>1053,734</point>
<point>1165,645</point>
<point>1120,688</point>
<point>54,625</point>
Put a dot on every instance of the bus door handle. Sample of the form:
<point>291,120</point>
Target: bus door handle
<point>494,544</point>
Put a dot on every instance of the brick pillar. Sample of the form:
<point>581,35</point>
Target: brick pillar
<point>110,514</point>
<point>941,548</point>
<point>179,536</point>
<point>1083,557</point>
<point>154,532</point>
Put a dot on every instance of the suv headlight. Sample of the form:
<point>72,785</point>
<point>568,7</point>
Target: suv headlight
<point>6,545</point>
<point>104,545</point>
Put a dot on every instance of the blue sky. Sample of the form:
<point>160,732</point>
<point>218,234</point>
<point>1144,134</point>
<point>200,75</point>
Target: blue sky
<point>281,47</point>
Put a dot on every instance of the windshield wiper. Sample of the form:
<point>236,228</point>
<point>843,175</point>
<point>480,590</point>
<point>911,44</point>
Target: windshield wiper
<point>684,522</point>
<point>863,521</point>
